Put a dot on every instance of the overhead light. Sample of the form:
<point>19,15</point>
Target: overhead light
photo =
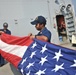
<point>68,8</point>
<point>62,8</point>
<point>69,5</point>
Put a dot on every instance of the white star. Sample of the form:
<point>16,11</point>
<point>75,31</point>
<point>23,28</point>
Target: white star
<point>57,67</point>
<point>24,60</point>
<point>58,55</point>
<point>43,49</point>
<point>74,65</point>
<point>30,64</point>
<point>22,71</point>
<point>28,73</point>
<point>33,53</point>
<point>34,45</point>
<point>41,72</point>
<point>43,60</point>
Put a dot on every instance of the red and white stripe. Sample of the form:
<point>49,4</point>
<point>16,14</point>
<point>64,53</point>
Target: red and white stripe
<point>12,48</point>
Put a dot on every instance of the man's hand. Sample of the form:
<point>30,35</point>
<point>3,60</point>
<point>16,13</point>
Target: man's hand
<point>30,34</point>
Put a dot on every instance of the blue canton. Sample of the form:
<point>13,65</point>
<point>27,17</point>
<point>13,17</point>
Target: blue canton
<point>42,58</point>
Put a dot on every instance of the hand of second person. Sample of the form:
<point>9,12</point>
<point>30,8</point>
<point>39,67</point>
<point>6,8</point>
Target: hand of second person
<point>1,32</point>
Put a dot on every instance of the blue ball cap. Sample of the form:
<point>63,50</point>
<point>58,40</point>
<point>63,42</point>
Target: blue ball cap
<point>39,19</point>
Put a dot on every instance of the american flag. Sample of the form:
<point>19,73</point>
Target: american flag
<point>35,57</point>
<point>42,58</point>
